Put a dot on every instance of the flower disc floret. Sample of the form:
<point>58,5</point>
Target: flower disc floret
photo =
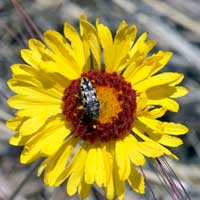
<point>117,107</point>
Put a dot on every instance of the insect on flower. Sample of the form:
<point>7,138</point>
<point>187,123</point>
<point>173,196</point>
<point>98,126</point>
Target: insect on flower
<point>89,98</point>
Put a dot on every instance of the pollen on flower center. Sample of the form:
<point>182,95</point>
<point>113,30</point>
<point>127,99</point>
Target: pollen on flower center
<point>117,102</point>
<point>110,106</point>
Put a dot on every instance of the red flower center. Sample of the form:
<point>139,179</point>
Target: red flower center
<point>117,102</point>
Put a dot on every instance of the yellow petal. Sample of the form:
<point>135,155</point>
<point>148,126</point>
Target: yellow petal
<point>135,156</point>
<point>110,188</point>
<point>23,88</point>
<point>84,189</point>
<point>100,174</point>
<point>43,166</point>
<point>123,41</point>
<point>147,68</point>
<point>39,49</point>
<point>119,185</point>
<point>48,110</point>
<point>106,40</point>
<point>35,45</point>
<point>168,103</point>
<point>164,91</point>
<point>108,160</point>
<point>47,83</point>
<point>180,92</point>
<point>130,71</point>
<point>159,60</point>
<point>18,140</point>
<point>157,112</point>
<point>32,124</point>
<point>22,101</point>
<point>35,115</point>
<point>174,128</point>
<point>77,171</point>
<point>121,26</point>
<point>164,127</point>
<point>58,162</point>
<point>83,17</point>
<point>26,76</point>
<point>74,181</point>
<point>149,149</point>
<point>167,140</point>
<point>86,47</point>
<point>140,49</point>
<point>139,42</point>
<point>21,69</point>
<point>122,159</point>
<point>141,102</point>
<point>92,38</point>
<point>15,123</point>
<point>138,129</point>
<point>63,68</point>
<point>142,148</point>
<point>90,165</point>
<point>109,166</point>
<point>69,168</point>
<point>160,79</point>
<point>136,181</point>
<point>31,58</point>
<point>53,132</point>
<point>76,43</point>
<point>23,80</point>
<point>63,54</point>
<point>160,92</point>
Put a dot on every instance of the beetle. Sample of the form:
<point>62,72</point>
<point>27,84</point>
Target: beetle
<point>89,98</point>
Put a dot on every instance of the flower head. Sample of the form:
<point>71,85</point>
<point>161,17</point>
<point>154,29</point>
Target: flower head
<point>99,130</point>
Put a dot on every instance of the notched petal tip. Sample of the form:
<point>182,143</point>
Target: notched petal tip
<point>83,17</point>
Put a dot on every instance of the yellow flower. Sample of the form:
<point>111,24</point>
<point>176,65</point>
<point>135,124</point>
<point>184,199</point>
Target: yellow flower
<point>52,121</point>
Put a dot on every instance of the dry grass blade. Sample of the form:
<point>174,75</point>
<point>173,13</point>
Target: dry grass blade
<point>24,181</point>
<point>28,22</point>
<point>174,15</point>
<point>172,38</point>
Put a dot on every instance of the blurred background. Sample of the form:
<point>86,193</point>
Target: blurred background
<point>174,24</point>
